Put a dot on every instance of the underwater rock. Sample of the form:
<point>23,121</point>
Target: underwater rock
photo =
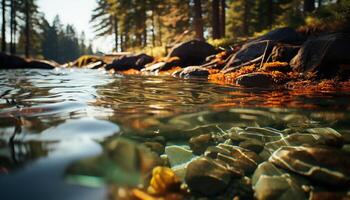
<point>271,182</point>
<point>257,79</point>
<point>328,195</point>
<point>300,139</point>
<point>178,155</point>
<point>207,177</point>
<point>156,147</point>
<point>200,143</point>
<point>239,158</point>
<point>192,53</point>
<point>262,134</point>
<point>137,62</point>
<point>324,54</point>
<point>253,145</point>
<point>324,165</point>
<point>331,136</point>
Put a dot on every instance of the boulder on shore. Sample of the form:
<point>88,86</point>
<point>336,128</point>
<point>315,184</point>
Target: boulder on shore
<point>264,45</point>
<point>325,55</point>
<point>16,62</point>
<point>192,53</point>
<point>137,61</point>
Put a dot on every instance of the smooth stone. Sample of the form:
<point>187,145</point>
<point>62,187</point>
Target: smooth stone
<point>178,155</point>
<point>332,137</point>
<point>300,139</point>
<point>256,79</point>
<point>323,165</point>
<point>207,177</point>
<point>193,71</point>
<point>239,158</point>
<point>329,195</point>
<point>192,53</point>
<point>324,55</point>
<point>200,143</point>
<point>156,147</point>
<point>253,145</point>
<point>271,182</point>
<point>270,187</point>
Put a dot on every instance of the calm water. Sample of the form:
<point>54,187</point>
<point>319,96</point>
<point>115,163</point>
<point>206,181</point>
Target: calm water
<point>51,119</point>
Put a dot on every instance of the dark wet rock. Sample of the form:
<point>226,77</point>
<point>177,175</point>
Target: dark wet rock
<point>130,62</point>
<point>285,35</point>
<point>323,165</point>
<point>207,177</point>
<point>156,147</point>
<point>256,79</point>
<point>11,62</point>
<point>264,44</point>
<point>239,158</point>
<point>331,136</point>
<point>16,62</point>
<point>193,71</point>
<point>324,55</point>
<point>253,145</point>
<point>249,52</point>
<point>284,53</point>
<point>329,195</point>
<point>192,53</point>
<point>200,143</point>
<point>41,64</point>
<point>271,182</point>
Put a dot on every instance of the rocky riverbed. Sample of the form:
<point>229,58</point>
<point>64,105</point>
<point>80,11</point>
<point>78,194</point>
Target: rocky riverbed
<point>302,159</point>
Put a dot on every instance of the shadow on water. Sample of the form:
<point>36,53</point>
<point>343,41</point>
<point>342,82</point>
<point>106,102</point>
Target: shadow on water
<point>85,126</point>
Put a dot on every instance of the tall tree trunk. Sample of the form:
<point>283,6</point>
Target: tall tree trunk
<point>320,3</point>
<point>309,5</point>
<point>27,29</point>
<point>3,31</point>
<point>153,29</point>
<point>13,28</point>
<point>246,17</point>
<point>160,35</point>
<point>270,13</point>
<point>215,19</point>
<point>116,32</point>
<point>223,18</point>
<point>198,20</point>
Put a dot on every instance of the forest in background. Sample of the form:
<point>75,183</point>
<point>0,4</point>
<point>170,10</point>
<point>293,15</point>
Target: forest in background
<point>155,25</point>
<point>32,36</point>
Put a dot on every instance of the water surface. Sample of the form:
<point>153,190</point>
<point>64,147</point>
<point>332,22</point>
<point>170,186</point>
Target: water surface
<point>51,119</point>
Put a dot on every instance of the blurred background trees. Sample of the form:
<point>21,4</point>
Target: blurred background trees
<point>158,24</point>
<point>31,35</point>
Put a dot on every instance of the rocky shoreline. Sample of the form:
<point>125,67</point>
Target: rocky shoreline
<point>281,56</point>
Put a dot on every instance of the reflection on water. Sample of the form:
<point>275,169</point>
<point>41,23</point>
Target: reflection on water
<point>48,119</point>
